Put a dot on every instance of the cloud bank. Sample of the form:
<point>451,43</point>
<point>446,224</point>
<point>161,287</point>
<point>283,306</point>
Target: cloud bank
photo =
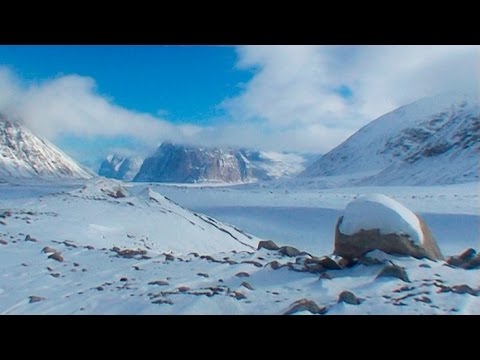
<point>303,98</point>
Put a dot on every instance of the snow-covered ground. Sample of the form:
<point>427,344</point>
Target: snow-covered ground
<point>91,229</point>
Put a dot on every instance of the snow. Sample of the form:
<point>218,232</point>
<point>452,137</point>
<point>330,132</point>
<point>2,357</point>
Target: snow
<point>377,211</point>
<point>432,141</point>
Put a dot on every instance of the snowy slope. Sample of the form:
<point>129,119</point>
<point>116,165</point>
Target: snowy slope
<point>176,163</point>
<point>120,168</point>
<point>104,213</point>
<point>23,155</point>
<point>432,141</point>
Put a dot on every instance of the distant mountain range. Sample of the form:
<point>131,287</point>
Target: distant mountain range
<point>432,141</point>
<point>178,163</point>
<point>24,155</point>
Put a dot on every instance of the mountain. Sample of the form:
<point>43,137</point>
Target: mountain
<point>24,155</point>
<point>190,164</point>
<point>120,168</point>
<point>432,141</point>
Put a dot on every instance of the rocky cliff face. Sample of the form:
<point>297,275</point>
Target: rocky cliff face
<point>24,155</point>
<point>120,168</point>
<point>190,164</point>
<point>432,141</point>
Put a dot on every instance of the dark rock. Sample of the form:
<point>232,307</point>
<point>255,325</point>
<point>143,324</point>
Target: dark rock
<point>29,238</point>
<point>356,245</point>
<point>247,285</point>
<point>469,259</point>
<point>163,301</point>
<point>34,299</point>
<point>242,274</point>
<point>89,247</point>
<point>395,271</point>
<point>123,279</point>
<point>460,289</point>
<point>349,298</point>
<point>329,264</point>
<point>474,263</point>
<point>56,256</point>
<point>424,299</point>
<point>183,289</point>
<point>99,288</point>
<point>55,275</point>
<point>325,276</point>
<point>289,251</point>
<point>468,254</point>
<point>275,265</point>
<point>238,295</point>
<point>267,244</point>
<point>305,305</point>
<point>203,275</point>
<point>48,249</point>
<point>169,257</point>
<point>253,262</point>
<point>425,266</point>
<point>3,222</point>
<point>159,283</point>
<point>3,242</point>
<point>129,253</point>
<point>76,264</point>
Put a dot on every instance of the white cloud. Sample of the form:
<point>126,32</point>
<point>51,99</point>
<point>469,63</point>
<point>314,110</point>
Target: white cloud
<point>290,103</point>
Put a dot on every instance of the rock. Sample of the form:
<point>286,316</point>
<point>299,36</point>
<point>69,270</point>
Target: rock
<point>169,257</point>
<point>349,298</point>
<point>123,279</point>
<point>395,242</point>
<point>425,266</point>
<point>305,305</point>
<point>474,263</point>
<point>274,264</point>
<point>247,285</point>
<point>29,238</point>
<point>159,283</point>
<point>48,249</point>
<point>3,242</point>
<point>289,251</point>
<point>56,256</point>
<point>99,288</point>
<point>467,255</point>
<point>55,275</point>
<point>424,299</point>
<point>459,289</point>
<point>34,299</point>
<point>267,244</point>
<point>3,222</point>
<point>129,253</point>
<point>238,295</point>
<point>325,276</point>
<point>253,262</point>
<point>183,289</point>
<point>395,271</point>
<point>329,264</point>
<point>205,275</point>
<point>242,274</point>
<point>468,259</point>
<point>163,301</point>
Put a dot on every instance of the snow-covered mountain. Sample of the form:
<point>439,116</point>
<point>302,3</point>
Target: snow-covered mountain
<point>24,155</point>
<point>432,141</point>
<point>189,164</point>
<point>120,168</point>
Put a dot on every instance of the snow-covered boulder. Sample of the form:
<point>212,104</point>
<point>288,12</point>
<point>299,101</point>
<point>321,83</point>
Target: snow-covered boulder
<point>378,222</point>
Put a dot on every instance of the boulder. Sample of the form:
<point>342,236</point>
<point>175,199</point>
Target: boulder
<point>289,251</point>
<point>380,223</point>
<point>349,298</point>
<point>394,271</point>
<point>305,305</point>
<point>267,244</point>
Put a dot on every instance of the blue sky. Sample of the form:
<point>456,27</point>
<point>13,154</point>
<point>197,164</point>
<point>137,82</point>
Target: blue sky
<point>94,100</point>
<point>184,83</point>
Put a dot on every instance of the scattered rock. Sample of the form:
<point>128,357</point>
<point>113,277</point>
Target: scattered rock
<point>267,244</point>
<point>56,256</point>
<point>289,251</point>
<point>48,249</point>
<point>129,253</point>
<point>395,271</point>
<point>305,305</point>
<point>255,263</point>
<point>163,301</point>
<point>169,257</point>
<point>238,295</point>
<point>459,289</point>
<point>349,298</point>
<point>34,299</point>
<point>3,242</point>
<point>424,299</point>
<point>425,266</point>
<point>247,285</point>
<point>274,264</point>
<point>159,283</point>
<point>123,279</point>
<point>29,238</point>
<point>205,275</point>
<point>242,274</point>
